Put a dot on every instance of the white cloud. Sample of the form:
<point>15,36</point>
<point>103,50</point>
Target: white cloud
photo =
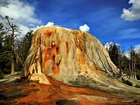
<point>137,48</point>
<point>84,27</point>
<point>48,24</point>
<point>132,13</point>
<point>22,14</point>
<point>108,44</point>
<point>127,54</point>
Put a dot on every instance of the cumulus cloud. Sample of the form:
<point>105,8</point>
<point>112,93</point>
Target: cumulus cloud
<point>48,24</point>
<point>132,13</point>
<point>84,27</point>
<point>22,14</point>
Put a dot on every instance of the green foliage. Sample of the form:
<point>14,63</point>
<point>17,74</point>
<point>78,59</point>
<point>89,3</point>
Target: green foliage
<point>5,64</point>
<point>7,42</point>
<point>138,76</point>
<point>127,82</point>
<point>1,75</point>
<point>131,65</point>
<point>114,53</point>
<point>4,51</point>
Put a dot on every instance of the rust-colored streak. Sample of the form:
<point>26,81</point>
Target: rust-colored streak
<point>55,31</point>
<point>81,45</point>
<point>82,58</point>
<point>53,58</point>
<point>48,33</point>
<point>76,42</point>
<point>57,50</point>
<point>67,46</point>
<point>96,67</point>
<point>98,70</point>
<point>47,54</point>
<point>57,64</point>
<point>54,67</point>
<point>75,32</point>
<point>49,51</point>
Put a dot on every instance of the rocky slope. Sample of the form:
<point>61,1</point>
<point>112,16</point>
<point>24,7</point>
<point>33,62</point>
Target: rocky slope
<point>17,91</point>
<point>73,57</point>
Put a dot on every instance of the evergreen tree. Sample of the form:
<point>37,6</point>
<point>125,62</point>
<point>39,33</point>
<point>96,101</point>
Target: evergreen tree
<point>4,50</point>
<point>27,42</point>
<point>1,47</point>
<point>114,54</point>
<point>125,64</point>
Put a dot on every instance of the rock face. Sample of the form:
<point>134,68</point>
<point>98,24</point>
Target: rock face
<point>70,56</point>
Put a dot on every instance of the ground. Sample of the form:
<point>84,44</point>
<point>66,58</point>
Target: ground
<point>15,90</point>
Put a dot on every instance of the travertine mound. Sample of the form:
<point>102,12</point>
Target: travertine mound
<point>71,56</point>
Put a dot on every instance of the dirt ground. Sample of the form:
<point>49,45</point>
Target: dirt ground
<point>19,91</point>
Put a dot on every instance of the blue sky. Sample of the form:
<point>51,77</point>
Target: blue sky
<point>108,20</point>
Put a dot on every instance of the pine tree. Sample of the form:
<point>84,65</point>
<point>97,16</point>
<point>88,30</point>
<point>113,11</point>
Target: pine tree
<point>4,50</point>
<point>1,47</point>
<point>114,54</point>
<point>27,42</point>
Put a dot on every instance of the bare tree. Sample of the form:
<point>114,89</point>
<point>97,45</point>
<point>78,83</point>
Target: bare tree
<point>133,62</point>
<point>12,32</point>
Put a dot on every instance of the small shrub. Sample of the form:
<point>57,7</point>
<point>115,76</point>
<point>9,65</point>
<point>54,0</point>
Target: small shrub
<point>1,75</point>
<point>67,102</point>
<point>138,77</point>
<point>83,81</point>
<point>127,82</point>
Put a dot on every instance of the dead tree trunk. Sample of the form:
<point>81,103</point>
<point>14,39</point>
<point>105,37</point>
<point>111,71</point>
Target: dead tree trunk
<point>12,32</point>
